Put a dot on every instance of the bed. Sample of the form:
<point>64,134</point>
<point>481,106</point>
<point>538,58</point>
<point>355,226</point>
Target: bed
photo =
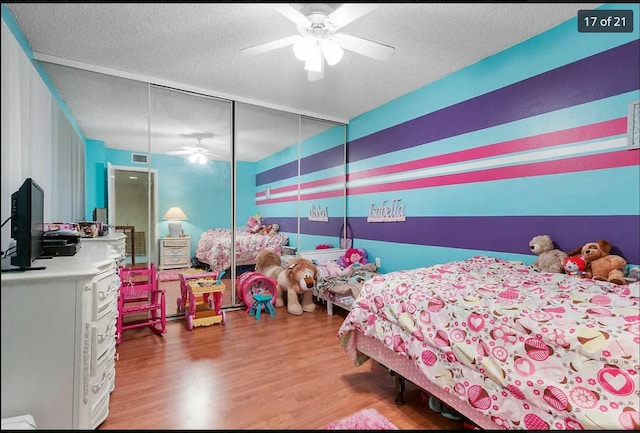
<point>504,345</point>
<point>214,247</point>
<point>339,291</point>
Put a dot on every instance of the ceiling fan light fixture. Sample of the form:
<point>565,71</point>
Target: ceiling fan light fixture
<point>304,47</point>
<point>193,158</point>
<point>332,51</point>
<point>202,159</point>
<point>315,61</point>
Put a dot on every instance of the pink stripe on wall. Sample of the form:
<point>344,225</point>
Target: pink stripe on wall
<point>620,158</point>
<point>315,183</point>
<point>566,136</point>
<point>572,135</point>
<point>303,197</point>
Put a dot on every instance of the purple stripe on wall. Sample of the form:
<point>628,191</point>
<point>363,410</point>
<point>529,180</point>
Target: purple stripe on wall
<point>599,76</point>
<point>329,228</point>
<point>510,234</point>
<point>287,224</point>
<point>333,157</point>
<point>284,171</point>
<point>290,225</point>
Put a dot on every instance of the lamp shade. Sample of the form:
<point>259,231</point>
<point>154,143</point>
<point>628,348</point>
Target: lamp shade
<point>175,215</point>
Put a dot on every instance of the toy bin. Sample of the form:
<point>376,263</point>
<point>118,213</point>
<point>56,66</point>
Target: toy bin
<point>250,283</point>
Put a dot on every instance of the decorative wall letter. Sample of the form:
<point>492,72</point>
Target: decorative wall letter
<point>384,213</point>
<point>316,213</point>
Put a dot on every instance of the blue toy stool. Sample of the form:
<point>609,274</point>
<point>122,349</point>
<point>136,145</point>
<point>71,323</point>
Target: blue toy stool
<point>262,299</point>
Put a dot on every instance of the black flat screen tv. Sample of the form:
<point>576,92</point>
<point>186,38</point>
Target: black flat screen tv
<point>27,223</point>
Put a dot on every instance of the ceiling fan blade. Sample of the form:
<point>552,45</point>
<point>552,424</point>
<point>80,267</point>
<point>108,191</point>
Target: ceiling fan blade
<point>273,45</point>
<point>179,152</point>
<point>365,47</point>
<point>293,14</point>
<point>349,12</point>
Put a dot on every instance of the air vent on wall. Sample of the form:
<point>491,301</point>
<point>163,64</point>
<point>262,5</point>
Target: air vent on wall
<point>139,158</point>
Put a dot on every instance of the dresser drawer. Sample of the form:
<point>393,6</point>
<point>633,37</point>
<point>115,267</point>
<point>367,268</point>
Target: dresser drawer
<point>105,293</point>
<point>175,260</point>
<point>175,251</point>
<point>167,243</point>
<point>100,387</point>
<point>103,337</point>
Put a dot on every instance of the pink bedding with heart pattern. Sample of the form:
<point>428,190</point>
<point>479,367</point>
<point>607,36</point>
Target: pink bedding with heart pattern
<point>214,247</point>
<point>529,350</point>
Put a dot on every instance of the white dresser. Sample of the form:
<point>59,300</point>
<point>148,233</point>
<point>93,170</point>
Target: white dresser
<point>58,337</point>
<point>175,253</point>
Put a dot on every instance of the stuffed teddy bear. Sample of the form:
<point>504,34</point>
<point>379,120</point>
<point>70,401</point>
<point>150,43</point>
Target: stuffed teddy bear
<point>299,277</point>
<point>353,256</point>
<point>576,265</point>
<point>269,263</point>
<point>601,265</point>
<point>549,258</point>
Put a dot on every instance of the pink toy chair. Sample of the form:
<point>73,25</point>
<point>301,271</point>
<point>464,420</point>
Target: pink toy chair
<point>139,294</point>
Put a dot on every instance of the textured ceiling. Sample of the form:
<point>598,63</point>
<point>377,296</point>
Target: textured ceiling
<point>196,47</point>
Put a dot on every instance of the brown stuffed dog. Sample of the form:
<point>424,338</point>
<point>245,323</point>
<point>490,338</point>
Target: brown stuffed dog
<point>299,277</point>
<point>600,264</point>
<point>269,264</point>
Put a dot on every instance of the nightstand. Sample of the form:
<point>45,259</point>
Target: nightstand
<point>175,252</point>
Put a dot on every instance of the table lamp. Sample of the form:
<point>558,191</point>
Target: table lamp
<point>175,215</point>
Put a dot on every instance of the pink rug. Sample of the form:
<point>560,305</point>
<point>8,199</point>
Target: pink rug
<point>366,419</point>
<point>170,274</point>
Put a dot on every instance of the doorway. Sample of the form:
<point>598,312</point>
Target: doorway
<point>132,209</point>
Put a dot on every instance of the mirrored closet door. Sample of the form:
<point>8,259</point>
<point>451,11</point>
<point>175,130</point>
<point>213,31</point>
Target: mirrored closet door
<point>188,167</point>
<point>118,176</point>
<point>322,179</point>
<point>190,147</point>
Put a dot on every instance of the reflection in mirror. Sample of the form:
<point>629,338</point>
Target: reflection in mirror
<point>322,183</point>
<point>285,168</point>
<point>117,134</point>
<point>301,172</point>
<point>130,188</point>
<point>266,149</point>
<point>67,170</point>
<point>190,144</point>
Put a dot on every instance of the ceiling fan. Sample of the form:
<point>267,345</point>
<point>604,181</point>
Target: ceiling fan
<point>195,154</point>
<point>319,39</point>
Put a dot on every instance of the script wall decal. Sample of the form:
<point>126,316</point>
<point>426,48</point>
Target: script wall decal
<point>316,213</point>
<point>392,211</point>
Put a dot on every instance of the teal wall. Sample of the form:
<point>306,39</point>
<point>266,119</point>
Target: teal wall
<point>531,140</point>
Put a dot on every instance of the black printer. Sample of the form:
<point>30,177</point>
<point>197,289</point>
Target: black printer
<point>60,243</point>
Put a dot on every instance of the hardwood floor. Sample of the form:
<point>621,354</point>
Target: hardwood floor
<point>282,372</point>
